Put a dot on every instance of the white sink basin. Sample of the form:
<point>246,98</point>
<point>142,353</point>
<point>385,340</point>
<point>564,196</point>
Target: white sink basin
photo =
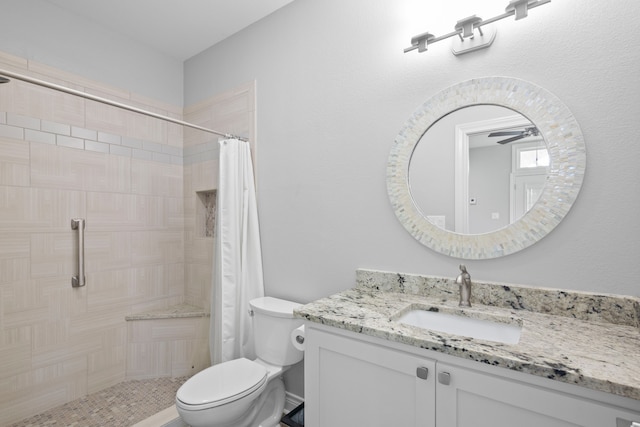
<point>499,330</point>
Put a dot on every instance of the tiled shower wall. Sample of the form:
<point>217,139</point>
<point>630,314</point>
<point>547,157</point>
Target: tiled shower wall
<point>135,179</point>
<point>231,112</point>
<point>63,157</point>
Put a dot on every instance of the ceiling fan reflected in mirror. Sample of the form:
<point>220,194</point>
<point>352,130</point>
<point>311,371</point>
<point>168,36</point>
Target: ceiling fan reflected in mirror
<point>516,134</point>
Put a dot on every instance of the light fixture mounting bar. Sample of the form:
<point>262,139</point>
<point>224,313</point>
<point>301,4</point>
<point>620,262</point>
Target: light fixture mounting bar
<point>465,28</point>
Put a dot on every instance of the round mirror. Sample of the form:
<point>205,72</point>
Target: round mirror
<point>490,164</point>
<point>449,193</point>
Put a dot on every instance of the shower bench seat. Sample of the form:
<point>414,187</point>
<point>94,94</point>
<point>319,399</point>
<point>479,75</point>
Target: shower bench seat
<point>178,311</point>
<point>168,342</point>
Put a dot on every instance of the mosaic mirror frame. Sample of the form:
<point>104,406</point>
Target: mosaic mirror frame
<point>565,144</point>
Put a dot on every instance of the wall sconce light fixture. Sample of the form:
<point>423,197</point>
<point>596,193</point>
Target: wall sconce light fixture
<point>468,40</point>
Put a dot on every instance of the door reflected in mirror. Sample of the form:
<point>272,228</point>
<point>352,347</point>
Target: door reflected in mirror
<point>478,169</point>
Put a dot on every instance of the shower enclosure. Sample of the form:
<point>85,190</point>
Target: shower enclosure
<point>137,181</point>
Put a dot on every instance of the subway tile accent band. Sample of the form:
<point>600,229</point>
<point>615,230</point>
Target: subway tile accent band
<point>31,129</point>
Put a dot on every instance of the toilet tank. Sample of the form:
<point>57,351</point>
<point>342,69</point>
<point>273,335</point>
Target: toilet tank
<point>273,322</point>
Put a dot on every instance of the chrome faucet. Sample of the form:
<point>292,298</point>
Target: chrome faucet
<point>464,282</point>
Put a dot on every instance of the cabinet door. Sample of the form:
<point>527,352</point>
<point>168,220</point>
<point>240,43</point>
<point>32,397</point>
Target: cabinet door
<point>350,383</point>
<point>475,399</point>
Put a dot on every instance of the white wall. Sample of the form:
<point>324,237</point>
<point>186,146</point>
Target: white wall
<point>39,31</point>
<point>334,88</point>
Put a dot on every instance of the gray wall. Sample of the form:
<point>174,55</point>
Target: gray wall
<point>334,88</point>
<point>39,31</point>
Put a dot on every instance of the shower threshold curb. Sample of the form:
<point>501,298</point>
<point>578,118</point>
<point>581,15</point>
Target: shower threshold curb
<point>165,418</point>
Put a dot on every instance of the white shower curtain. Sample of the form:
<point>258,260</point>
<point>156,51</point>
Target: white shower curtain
<point>237,276</point>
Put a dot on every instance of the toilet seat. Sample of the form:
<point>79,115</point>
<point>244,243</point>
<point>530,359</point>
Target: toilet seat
<point>222,384</point>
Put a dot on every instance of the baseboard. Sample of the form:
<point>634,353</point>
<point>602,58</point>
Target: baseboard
<point>291,402</point>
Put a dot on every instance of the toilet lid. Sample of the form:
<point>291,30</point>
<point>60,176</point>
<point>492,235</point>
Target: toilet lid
<point>222,383</point>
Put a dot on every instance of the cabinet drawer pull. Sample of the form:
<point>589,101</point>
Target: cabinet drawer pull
<point>422,372</point>
<point>444,378</point>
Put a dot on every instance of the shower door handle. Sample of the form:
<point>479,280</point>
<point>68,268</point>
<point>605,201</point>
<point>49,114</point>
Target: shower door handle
<point>79,280</point>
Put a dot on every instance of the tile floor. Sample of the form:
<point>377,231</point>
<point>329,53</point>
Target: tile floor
<point>121,405</point>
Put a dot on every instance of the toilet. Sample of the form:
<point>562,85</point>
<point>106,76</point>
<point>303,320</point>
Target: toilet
<point>243,392</point>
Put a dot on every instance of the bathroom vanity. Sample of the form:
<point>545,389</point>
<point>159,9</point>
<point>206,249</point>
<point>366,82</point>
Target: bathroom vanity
<point>575,361</point>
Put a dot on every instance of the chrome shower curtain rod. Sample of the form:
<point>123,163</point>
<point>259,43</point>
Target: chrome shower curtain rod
<point>12,75</point>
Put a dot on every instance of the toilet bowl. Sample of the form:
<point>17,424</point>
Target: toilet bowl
<point>243,392</point>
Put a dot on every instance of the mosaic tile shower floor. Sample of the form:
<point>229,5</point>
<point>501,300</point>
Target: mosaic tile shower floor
<point>121,405</point>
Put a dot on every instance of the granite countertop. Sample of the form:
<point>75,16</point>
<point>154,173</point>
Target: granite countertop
<point>584,339</point>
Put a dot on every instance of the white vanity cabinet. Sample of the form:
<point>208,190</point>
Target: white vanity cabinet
<point>352,383</point>
<point>474,399</point>
<point>353,380</point>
